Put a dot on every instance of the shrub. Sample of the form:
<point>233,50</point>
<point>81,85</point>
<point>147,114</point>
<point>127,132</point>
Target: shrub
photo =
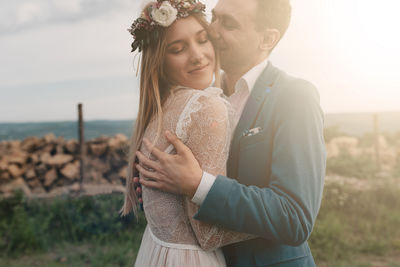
<point>362,166</point>
<point>40,223</point>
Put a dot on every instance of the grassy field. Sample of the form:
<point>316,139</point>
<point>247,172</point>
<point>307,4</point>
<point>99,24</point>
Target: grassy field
<point>354,228</point>
<point>358,227</point>
<point>85,231</point>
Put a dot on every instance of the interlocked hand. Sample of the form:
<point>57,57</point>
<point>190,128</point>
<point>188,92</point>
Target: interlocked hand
<point>138,189</point>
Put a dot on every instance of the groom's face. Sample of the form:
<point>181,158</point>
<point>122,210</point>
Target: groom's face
<point>233,27</point>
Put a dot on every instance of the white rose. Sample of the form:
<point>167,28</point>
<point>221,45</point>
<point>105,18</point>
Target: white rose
<point>165,15</point>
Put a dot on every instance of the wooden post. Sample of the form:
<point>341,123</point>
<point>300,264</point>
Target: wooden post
<point>82,151</point>
<point>377,148</point>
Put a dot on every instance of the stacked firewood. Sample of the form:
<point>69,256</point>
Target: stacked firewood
<point>39,165</point>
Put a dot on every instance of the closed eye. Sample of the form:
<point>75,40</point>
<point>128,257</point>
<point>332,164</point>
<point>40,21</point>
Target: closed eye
<point>203,41</point>
<point>203,38</point>
<point>227,21</point>
<point>229,24</point>
<point>176,50</point>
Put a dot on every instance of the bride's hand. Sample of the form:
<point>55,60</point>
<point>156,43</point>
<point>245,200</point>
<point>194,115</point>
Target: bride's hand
<point>179,173</point>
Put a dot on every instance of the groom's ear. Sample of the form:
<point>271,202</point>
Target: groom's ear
<point>269,38</point>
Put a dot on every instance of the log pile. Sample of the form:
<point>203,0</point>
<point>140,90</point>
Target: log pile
<point>50,166</point>
<point>41,165</point>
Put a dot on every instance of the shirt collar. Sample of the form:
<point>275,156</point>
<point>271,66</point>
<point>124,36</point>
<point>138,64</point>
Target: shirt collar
<point>249,78</point>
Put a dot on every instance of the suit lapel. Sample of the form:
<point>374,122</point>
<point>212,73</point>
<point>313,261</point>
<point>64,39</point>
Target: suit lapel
<point>263,87</point>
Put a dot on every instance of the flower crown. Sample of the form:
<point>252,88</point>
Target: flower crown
<point>160,13</point>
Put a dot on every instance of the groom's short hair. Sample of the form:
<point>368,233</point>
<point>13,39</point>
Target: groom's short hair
<point>273,14</point>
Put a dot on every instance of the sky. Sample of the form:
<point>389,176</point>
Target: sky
<point>55,54</point>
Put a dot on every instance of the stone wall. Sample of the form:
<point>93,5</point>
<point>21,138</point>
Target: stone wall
<point>41,165</point>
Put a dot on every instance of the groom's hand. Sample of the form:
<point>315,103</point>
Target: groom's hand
<point>179,173</point>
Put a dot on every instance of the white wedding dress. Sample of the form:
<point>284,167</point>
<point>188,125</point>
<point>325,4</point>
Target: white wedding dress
<point>203,120</point>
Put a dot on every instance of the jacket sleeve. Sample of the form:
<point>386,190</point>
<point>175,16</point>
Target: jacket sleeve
<point>286,209</point>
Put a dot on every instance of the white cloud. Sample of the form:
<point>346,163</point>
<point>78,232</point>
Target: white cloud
<point>28,12</point>
<point>90,49</point>
<point>70,6</point>
<point>25,14</point>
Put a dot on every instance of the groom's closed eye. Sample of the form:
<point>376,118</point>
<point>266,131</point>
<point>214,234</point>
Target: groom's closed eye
<point>227,21</point>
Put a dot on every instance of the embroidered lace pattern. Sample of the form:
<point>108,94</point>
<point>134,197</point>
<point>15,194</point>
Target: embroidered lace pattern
<point>203,120</point>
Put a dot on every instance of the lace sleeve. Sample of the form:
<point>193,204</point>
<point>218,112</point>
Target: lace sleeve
<point>208,136</point>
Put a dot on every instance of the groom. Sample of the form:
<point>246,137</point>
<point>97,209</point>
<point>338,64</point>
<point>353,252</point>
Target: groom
<point>277,159</point>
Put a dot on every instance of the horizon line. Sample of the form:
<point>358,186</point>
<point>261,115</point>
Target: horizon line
<point>126,119</point>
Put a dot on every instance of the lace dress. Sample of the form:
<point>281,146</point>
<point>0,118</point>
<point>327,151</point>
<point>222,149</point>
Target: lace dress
<point>203,120</point>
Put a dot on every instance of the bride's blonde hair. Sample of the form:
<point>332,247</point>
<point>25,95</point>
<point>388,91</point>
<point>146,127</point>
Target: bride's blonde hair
<point>154,88</point>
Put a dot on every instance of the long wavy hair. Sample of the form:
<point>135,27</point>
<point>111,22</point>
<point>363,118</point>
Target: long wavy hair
<point>154,89</point>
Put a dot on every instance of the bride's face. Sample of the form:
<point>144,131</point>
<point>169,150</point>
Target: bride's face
<point>190,56</point>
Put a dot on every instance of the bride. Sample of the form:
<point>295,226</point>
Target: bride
<point>178,63</point>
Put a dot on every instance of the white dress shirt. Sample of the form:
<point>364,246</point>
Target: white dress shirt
<point>238,99</point>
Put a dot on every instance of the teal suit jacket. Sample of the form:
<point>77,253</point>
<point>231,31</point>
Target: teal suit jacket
<point>275,177</point>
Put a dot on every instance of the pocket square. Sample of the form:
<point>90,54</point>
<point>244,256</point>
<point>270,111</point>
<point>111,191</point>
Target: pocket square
<point>252,132</point>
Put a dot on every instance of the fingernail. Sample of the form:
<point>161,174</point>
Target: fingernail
<point>168,134</point>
